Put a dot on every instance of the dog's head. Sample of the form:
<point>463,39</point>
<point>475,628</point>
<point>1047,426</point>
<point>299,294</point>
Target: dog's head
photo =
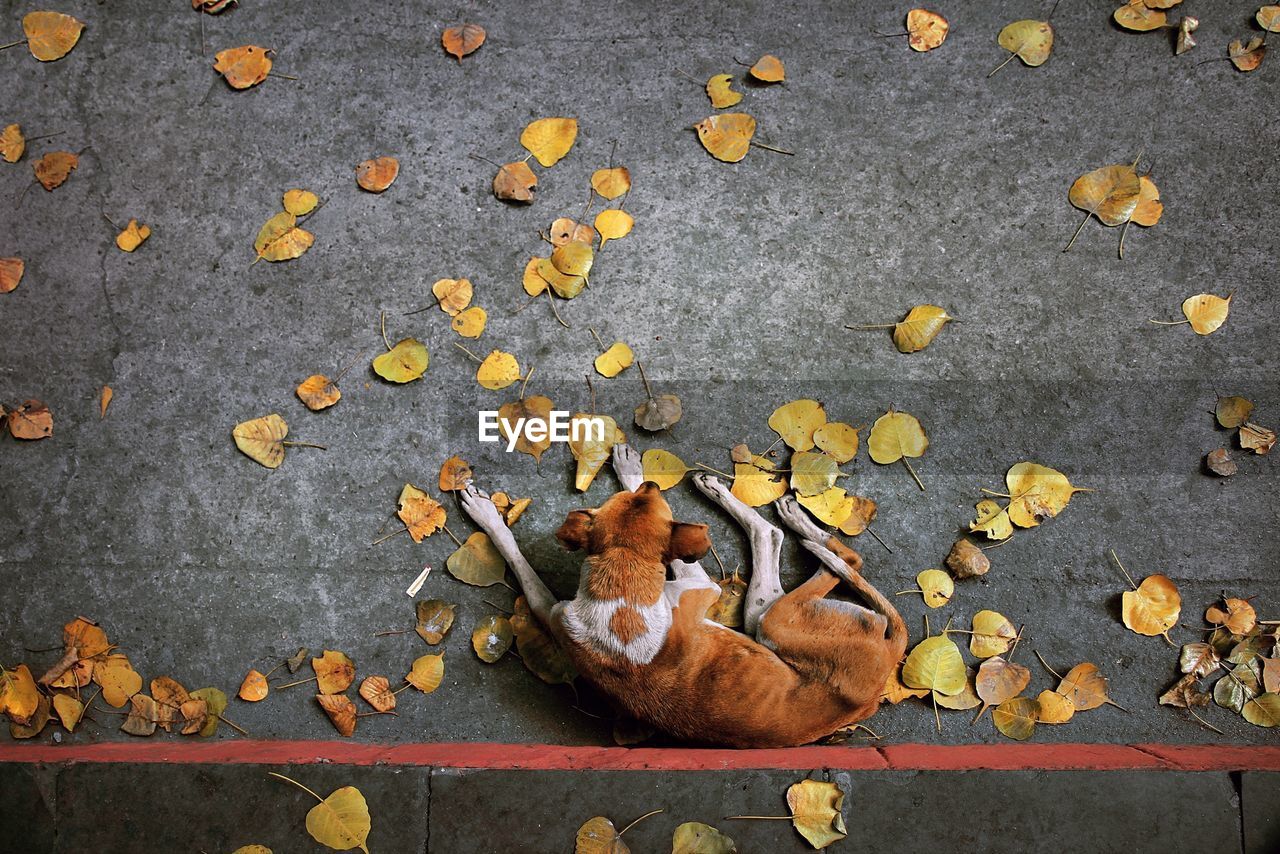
<point>639,522</point>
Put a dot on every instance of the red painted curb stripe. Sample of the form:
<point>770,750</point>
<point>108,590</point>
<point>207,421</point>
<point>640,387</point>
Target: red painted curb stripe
<point>546,757</point>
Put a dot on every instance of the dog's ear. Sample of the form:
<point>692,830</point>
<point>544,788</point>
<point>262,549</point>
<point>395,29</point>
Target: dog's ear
<point>574,532</point>
<point>689,542</point>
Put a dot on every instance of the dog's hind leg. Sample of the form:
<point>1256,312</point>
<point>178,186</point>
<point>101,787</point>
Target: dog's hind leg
<point>764,587</point>
<point>482,511</point>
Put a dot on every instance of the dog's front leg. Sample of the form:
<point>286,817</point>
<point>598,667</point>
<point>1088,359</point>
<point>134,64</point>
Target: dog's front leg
<point>481,510</point>
<point>627,466</point>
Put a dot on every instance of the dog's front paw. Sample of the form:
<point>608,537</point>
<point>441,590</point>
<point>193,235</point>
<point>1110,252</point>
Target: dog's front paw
<point>480,507</point>
<point>797,519</point>
<point>710,485</point>
<point>627,465</point>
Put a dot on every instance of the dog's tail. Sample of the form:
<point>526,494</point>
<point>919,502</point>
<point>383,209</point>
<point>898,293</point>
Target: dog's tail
<point>850,571</point>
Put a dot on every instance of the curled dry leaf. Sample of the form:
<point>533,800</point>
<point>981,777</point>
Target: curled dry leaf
<point>862,515</point>
<point>816,811</point>
<point>455,473</point>
<point>462,40</point>
<point>341,712</point>
<point>1206,312</point>
<point>1268,17</point>
<point>614,360</point>
<point>613,224</point>
<point>564,230</point>
<point>299,202</point>
<point>215,703</point>
<point>104,400</point>
<point>132,236</point>
<point>427,672</point>
<point>727,610</point>
<point>993,634</point>
<point>54,168</point>
<point>659,412</point>
<point>768,69</point>
<point>378,174</point>
<point>1030,41</point>
<point>611,183</point>
<point>217,7</point>
<point>243,67</point>
<point>926,30</point>
<point>1241,684</point>
<point>1184,694</point>
<point>142,716</point>
<point>1185,40</point>
<point>965,560</point>
<point>1246,56</point>
<point>376,691</point>
<point>662,468</point>
<point>936,587</point>
<point>452,295</point>
<point>254,687</point>
<point>1153,608</point>
<point>992,520</point>
<point>511,509</point>
<point>550,139</point>
<point>11,270</point>
<point>1149,208</point>
<point>50,35</point>
<point>31,420</point>
<point>334,672</point>
<point>1016,718</point>
<point>12,143</point>
<point>68,709</point>
<point>435,619</point>
<point>1237,615</point>
<point>281,239</point>
<point>318,392</point>
<point>720,93</point>
<point>492,637</point>
<point>1263,710</point>
<point>515,182</point>
<point>1258,439</point>
<point>1220,463</point>
<point>421,513</point>
<point>403,363</point>
<point>262,439</point>
<point>921,325</point>
<point>726,136</point>
<point>1198,659</point>
<point>797,422</point>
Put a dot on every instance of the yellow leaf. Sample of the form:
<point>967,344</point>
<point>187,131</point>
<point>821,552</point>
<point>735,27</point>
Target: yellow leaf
<point>300,202</point>
<point>815,811</point>
<point>421,513</point>
<point>921,325</point>
<point>755,484</point>
<point>254,687</point>
<point>1110,193</point>
<point>334,672</point>
<point>831,506</point>
<point>477,562</point>
<point>403,363</point>
<point>992,634</point>
<point>1231,412</point>
<point>1153,608</point>
<point>378,174</point>
<point>452,295</point>
<point>536,406</point>
<point>549,139</point>
<point>515,182</point>
<point>591,449</point>
<point>54,168</point>
<point>726,136</point>
<point>999,680</point>
<point>1016,718</point>
<point>132,236</point>
<point>895,692</point>
<point>613,224</point>
<point>511,509</point>
<point>1263,710</point>
<point>1030,41</point>
<point>455,473</point>
<point>532,281</point>
<point>341,821</point>
<point>243,67</point>
<point>539,651</point>
<point>727,610</point>
<point>837,440</point>
<point>573,258</point>
<point>117,678</point>
<point>966,699</point>
<point>694,837</point>
<point>318,392</point>
<point>935,664</point>
<point>896,435</point>
<point>797,421</point>
<point>470,322</point>
<point>719,92</point>
<point>768,69</point>
<point>376,691</point>
<point>565,286</point>
<point>1149,209</point>
<point>926,30</point>
<point>993,520</point>
<point>280,239</point>
<point>1134,15</point>
<point>104,400</point>
<point>1085,687</point>
<point>611,183</point>
<point>462,40</point>
<point>598,836</point>
<point>662,468</point>
<point>615,360</point>
<point>864,512</point>
<point>1053,708</point>
<point>1206,312</point>
<point>262,439</point>
<point>812,472</point>
<point>215,704</point>
<point>498,370</point>
<point>492,637</point>
<point>19,694</point>
<point>252,849</point>
<point>12,143</point>
<point>50,35</point>
<point>340,711</point>
<point>427,672</point>
<point>937,587</point>
<point>1038,492</point>
<point>434,619</point>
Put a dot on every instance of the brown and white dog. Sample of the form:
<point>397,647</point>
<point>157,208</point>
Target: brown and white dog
<point>806,666</point>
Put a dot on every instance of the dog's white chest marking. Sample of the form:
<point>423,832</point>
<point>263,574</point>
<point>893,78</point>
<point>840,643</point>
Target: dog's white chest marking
<point>591,622</point>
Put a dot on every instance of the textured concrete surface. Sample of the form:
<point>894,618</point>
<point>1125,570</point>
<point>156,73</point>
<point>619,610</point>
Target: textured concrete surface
<point>915,178</point>
<point>128,808</point>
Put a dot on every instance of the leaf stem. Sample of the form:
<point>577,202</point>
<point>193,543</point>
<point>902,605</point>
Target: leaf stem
<point>1122,569</point>
<point>1012,54</point>
<point>637,821</point>
<point>773,149</point>
<point>382,324</point>
<point>919,482</point>
<point>468,352</point>
<point>878,540</point>
<point>296,783</point>
<point>13,44</point>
